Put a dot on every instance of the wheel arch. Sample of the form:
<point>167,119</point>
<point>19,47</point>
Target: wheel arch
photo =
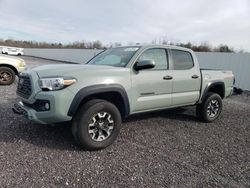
<point>11,67</point>
<point>217,87</point>
<point>114,93</point>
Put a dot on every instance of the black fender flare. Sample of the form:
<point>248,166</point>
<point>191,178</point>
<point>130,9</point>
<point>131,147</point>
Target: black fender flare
<point>97,89</point>
<point>210,85</point>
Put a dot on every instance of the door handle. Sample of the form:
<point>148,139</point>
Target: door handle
<point>195,76</point>
<point>167,77</point>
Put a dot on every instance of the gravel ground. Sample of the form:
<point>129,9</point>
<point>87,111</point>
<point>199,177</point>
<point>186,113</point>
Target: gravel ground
<point>163,149</point>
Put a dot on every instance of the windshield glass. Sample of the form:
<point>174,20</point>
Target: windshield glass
<point>117,57</point>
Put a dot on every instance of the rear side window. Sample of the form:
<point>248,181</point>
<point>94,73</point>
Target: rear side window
<point>182,60</point>
<point>159,56</point>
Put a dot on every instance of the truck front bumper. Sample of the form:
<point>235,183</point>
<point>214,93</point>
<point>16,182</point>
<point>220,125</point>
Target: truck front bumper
<point>29,113</point>
<point>48,108</point>
<point>42,117</point>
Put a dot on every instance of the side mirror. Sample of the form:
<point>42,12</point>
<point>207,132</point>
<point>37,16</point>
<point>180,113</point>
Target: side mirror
<point>144,64</point>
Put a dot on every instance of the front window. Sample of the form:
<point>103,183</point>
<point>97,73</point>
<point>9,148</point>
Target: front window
<point>116,57</point>
<point>158,55</point>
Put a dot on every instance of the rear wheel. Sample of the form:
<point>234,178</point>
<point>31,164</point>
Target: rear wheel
<point>7,76</point>
<point>210,109</point>
<point>96,125</point>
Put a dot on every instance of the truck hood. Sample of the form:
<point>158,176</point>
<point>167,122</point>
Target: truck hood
<point>70,69</point>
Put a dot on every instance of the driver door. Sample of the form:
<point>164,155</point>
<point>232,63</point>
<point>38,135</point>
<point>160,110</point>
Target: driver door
<point>152,88</point>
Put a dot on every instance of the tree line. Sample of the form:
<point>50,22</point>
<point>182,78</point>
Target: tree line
<point>34,44</point>
<point>207,48</point>
<point>203,47</point>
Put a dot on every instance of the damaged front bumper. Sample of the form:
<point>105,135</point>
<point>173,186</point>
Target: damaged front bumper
<point>20,109</point>
<point>17,109</point>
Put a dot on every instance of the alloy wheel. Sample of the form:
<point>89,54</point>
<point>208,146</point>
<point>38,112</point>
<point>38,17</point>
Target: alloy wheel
<point>213,108</point>
<point>5,76</point>
<point>101,126</point>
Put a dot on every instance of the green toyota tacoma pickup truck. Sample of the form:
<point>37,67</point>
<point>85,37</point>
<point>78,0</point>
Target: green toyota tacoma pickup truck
<point>119,82</point>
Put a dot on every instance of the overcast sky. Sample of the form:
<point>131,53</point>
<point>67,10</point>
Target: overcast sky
<point>138,21</point>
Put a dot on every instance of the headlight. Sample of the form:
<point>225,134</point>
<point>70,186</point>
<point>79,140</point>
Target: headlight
<point>21,63</point>
<point>51,84</point>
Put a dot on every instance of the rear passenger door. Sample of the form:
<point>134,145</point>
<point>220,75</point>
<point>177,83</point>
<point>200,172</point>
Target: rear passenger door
<point>186,78</point>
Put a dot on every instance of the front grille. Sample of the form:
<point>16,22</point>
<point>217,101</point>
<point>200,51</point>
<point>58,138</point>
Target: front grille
<point>24,87</point>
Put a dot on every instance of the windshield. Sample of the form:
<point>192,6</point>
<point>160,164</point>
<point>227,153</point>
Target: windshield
<point>117,57</point>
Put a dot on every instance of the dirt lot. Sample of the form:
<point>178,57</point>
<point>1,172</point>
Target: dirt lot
<point>163,149</point>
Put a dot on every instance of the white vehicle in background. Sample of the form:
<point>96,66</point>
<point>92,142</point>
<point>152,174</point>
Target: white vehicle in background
<point>12,51</point>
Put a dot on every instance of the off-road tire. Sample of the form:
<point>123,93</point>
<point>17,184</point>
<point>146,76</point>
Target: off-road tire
<point>81,123</point>
<point>203,110</point>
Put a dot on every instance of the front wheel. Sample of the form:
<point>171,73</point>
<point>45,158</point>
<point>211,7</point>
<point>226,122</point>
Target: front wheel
<point>96,125</point>
<point>7,76</point>
<point>209,110</point>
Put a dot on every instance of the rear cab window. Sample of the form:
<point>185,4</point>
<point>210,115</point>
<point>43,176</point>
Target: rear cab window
<point>182,60</point>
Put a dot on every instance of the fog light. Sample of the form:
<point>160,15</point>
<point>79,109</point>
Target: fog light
<point>42,105</point>
<point>46,106</point>
<point>39,105</point>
